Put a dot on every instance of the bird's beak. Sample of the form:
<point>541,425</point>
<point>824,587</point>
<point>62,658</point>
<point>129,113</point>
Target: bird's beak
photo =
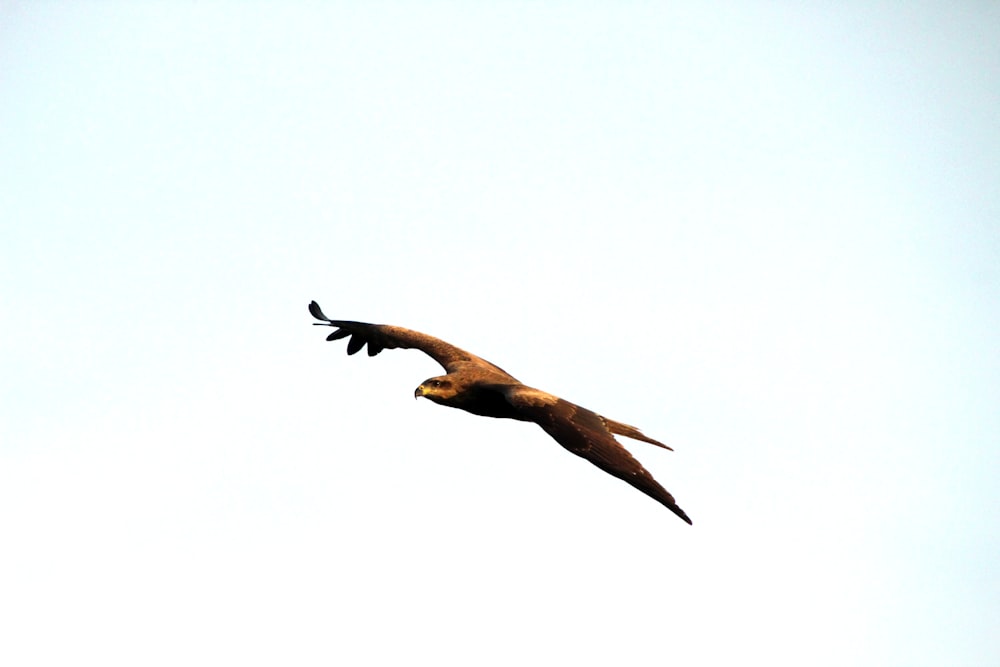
<point>418,392</point>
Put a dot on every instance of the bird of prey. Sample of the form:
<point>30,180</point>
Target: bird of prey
<point>477,386</point>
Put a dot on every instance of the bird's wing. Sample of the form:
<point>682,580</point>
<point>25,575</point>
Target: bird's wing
<point>380,337</point>
<point>588,435</point>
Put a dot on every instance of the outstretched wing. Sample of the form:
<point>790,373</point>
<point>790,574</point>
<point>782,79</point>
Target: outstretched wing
<point>380,337</point>
<point>588,435</point>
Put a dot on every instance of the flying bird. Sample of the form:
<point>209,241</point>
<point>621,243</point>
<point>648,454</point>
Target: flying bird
<point>477,386</point>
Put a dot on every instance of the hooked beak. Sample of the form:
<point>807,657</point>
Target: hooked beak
<point>418,392</point>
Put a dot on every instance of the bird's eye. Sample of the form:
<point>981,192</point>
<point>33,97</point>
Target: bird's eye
<point>435,383</point>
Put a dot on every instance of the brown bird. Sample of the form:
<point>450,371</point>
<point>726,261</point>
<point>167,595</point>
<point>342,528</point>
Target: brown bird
<point>477,386</point>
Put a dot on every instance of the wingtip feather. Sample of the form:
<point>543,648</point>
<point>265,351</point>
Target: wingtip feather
<point>316,312</point>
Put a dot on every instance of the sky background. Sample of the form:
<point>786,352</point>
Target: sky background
<point>766,233</point>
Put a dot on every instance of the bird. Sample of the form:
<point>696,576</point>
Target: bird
<point>482,388</point>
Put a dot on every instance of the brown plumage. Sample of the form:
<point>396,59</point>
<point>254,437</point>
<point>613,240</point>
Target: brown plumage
<point>477,386</point>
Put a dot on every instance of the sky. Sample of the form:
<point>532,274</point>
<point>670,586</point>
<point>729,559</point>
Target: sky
<point>766,233</point>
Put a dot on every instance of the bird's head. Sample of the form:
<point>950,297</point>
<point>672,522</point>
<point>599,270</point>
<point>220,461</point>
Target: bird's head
<point>439,389</point>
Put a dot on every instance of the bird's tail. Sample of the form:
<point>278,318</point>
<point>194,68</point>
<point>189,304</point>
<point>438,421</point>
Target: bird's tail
<point>631,432</point>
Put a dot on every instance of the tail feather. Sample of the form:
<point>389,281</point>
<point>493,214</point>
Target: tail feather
<point>631,432</point>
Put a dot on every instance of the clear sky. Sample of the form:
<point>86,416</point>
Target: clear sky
<point>766,233</point>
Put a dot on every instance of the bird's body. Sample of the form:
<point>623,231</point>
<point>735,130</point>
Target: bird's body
<point>482,388</point>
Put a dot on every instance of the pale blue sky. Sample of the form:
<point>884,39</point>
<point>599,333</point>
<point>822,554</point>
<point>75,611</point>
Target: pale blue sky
<point>769,236</point>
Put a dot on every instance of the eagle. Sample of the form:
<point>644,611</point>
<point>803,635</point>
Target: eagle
<point>482,388</point>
